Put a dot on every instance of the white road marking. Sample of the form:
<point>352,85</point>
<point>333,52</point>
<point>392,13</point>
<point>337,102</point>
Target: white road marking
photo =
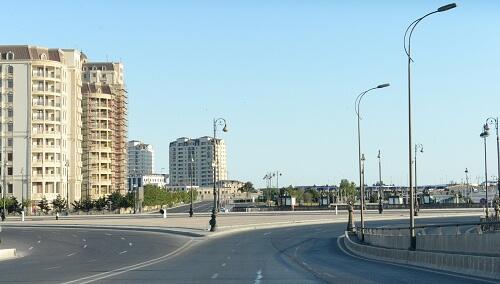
<point>268,233</point>
<point>74,236</point>
<point>215,276</point>
<point>71,254</point>
<point>39,241</point>
<point>108,234</point>
<point>84,240</point>
<point>92,260</point>
<point>85,246</point>
<point>55,267</point>
<point>122,238</point>
<point>123,252</point>
<point>258,277</point>
<point>30,248</point>
<point>228,257</point>
<point>130,244</point>
<point>121,270</point>
<point>224,264</point>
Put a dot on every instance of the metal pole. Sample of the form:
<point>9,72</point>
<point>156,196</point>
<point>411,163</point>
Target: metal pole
<point>486,175</point>
<point>498,159</point>
<point>22,189</point>
<point>361,186</point>
<point>213,221</point>
<point>379,175</point>
<point>67,187</point>
<point>191,187</point>
<point>467,183</point>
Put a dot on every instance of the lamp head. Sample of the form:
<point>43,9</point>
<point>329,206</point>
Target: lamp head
<point>466,171</point>
<point>446,7</point>
<point>486,127</point>
<point>383,86</point>
<point>363,157</point>
<point>225,128</point>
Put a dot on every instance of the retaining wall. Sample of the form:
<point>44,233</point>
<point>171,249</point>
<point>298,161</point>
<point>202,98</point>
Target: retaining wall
<point>476,265</point>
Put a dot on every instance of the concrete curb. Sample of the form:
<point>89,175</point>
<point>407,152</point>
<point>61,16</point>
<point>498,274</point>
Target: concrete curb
<point>7,254</point>
<point>473,265</point>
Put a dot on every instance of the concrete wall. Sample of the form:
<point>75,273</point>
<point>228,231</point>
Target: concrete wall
<point>476,265</point>
<point>486,243</point>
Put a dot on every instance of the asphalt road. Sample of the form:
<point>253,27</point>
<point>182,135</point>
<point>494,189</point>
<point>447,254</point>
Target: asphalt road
<point>304,254</point>
<point>198,207</point>
<point>51,255</point>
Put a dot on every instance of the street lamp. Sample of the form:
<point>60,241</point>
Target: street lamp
<point>418,148</point>
<point>220,122</point>
<point>410,145</point>
<point>380,195</point>
<point>67,187</point>
<point>467,183</point>
<point>191,182</point>
<point>494,121</point>
<point>485,135</point>
<point>357,103</point>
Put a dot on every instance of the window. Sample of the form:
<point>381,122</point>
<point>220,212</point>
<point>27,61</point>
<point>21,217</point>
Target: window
<point>10,98</point>
<point>10,55</point>
<point>10,83</point>
<point>94,74</point>
<point>10,188</point>
<point>10,69</point>
<point>9,157</point>
<point>10,127</point>
<point>9,171</point>
<point>84,76</point>
<point>10,113</point>
<point>10,141</point>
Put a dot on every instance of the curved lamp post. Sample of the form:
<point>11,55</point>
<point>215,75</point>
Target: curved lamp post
<point>485,135</point>
<point>220,122</point>
<point>357,103</point>
<point>494,122</point>
<point>407,47</point>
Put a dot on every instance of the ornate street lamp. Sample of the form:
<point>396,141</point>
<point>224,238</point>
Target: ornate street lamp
<point>485,135</point>
<point>494,122</point>
<point>220,122</point>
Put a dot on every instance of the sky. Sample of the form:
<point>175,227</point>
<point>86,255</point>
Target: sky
<point>285,74</point>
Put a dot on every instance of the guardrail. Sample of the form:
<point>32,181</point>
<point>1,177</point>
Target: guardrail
<point>481,238</point>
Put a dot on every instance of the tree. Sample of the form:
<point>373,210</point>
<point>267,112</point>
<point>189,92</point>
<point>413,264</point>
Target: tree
<point>77,205</point>
<point>116,200</point>
<point>44,205</point>
<point>59,204</point>
<point>12,205</point>
<point>87,205</point>
<point>100,203</point>
<point>247,187</point>
<point>348,190</point>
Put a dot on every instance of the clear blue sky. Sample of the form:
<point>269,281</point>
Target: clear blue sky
<point>285,75</point>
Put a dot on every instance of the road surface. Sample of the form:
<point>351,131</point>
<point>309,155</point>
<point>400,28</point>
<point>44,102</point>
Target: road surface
<point>198,207</point>
<point>303,254</point>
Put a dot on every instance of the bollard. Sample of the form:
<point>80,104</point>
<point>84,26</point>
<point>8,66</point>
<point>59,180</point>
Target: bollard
<point>22,216</point>
<point>336,211</point>
<point>350,227</point>
<point>165,214</point>
<point>57,215</point>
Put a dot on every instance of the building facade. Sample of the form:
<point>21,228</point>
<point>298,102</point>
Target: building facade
<point>40,143</point>
<point>160,180</point>
<point>140,158</point>
<point>192,161</point>
<point>104,116</point>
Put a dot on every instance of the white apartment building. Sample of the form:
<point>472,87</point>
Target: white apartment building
<point>140,158</point>
<point>191,161</point>
<point>40,111</point>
